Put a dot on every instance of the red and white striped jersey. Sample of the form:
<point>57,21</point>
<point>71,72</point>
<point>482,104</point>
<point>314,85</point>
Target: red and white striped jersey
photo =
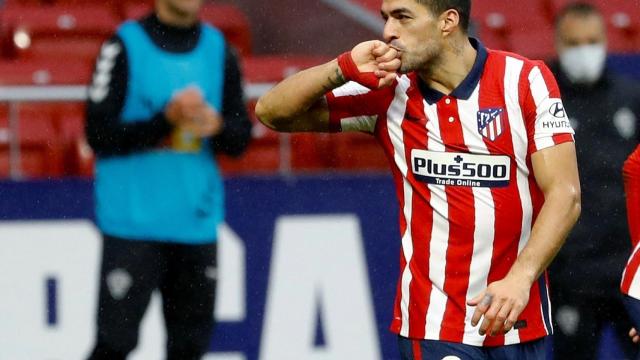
<point>467,193</point>
<point>630,284</point>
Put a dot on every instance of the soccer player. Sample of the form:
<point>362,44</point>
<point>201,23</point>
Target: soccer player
<point>483,159</point>
<point>630,285</point>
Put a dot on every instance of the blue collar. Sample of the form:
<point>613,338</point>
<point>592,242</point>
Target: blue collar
<point>466,87</point>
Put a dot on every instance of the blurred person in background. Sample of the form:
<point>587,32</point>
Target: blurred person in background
<point>603,109</point>
<point>487,181</point>
<point>166,96</point>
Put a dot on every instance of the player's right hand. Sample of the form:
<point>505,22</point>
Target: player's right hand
<point>376,64</point>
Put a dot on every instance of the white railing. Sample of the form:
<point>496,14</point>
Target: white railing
<point>14,95</point>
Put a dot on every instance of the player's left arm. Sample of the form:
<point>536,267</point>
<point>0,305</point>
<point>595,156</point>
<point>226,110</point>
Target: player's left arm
<point>556,174</point>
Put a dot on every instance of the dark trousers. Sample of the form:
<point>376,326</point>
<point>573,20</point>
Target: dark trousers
<point>186,276</point>
<point>579,320</point>
<point>411,349</point>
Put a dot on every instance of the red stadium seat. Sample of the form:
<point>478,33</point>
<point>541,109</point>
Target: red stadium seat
<point>536,45</point>
<point>259,158</point>
<point>508,15</point>
<point>492,39</point>
<point>313,152</point>
<point>85,50</point>
<point>340,152</point>
<point>228,18</point>
<point>359,152</point>
<point>497,21</point>
<point>135,10</point>
<point>56,32</point>
<point>272,68</point>
<point>86,20</point>
<point>232,22</point>
<point>40,72</point>
<point>41,152</point>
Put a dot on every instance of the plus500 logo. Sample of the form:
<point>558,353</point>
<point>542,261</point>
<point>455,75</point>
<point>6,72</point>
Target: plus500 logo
<point>460,169</point>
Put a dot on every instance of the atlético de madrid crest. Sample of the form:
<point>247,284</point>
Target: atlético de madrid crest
<point>490,123</point>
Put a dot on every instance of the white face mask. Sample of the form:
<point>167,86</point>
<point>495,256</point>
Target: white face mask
<point>584,64</point>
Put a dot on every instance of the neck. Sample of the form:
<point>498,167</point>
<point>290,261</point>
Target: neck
<point>169,15</point>
<point>451,67</point>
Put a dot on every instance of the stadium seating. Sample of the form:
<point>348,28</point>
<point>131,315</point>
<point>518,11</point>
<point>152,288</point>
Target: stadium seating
<point>40,148</point>
<point>44,72</point>
<point>86,20</point>
<point>359,152</point>
<point>508,25</point>
<point>231,21</point>
<point>56,33</point>
<point>273,68</point>
<point>535,45</point>
<point>55,42</point>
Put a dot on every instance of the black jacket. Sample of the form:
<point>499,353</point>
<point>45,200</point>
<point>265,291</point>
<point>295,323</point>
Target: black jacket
<point>605,118</point>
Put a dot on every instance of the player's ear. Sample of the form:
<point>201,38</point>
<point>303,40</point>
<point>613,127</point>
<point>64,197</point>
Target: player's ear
<point>449,20</point>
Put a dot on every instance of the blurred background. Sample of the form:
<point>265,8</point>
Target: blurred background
<point>48,267</point>
<point>55,43</point>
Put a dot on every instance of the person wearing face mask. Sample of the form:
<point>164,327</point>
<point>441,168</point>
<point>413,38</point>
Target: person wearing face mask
<point>603,109</point>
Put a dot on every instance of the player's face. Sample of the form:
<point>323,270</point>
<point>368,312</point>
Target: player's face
<point>412,29</point>
<point>574,31</point>
<point>183,8</point>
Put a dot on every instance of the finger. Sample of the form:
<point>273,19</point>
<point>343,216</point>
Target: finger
<point>379,49</point>
<point>633,332</point>
<point>476,300</point>
<point>490,317</point>
<point>482,303</point>
<point>511,320</point>
<point>500,323</point>
<point>636,339</point>
<point>388,56</point>
<point>387,80</point>
<point>392,65</point>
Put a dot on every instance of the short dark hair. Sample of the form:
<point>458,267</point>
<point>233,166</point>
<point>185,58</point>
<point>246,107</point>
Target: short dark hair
<point>581,9</point>
<point>462,6</point>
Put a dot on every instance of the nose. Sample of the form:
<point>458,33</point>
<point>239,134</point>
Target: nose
<point>390,31</point>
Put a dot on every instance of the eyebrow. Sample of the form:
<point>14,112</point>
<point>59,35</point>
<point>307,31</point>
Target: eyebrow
<point>395,12</point>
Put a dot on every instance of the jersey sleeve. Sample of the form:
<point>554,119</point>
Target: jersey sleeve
<point>631,176</point>
<point>353,107</point>
<point>547,121</point>
<point>106,133</point>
